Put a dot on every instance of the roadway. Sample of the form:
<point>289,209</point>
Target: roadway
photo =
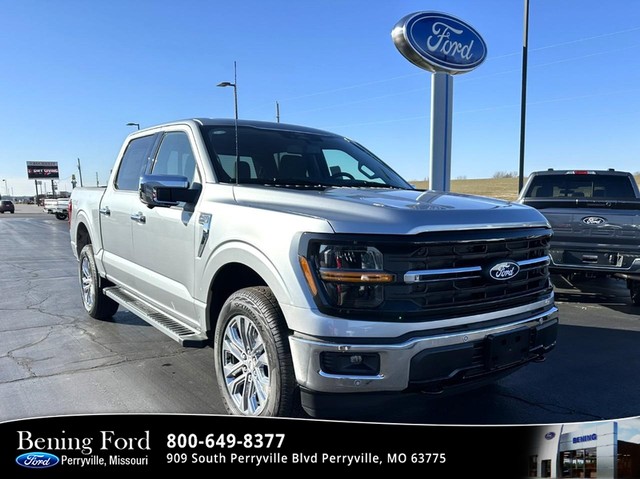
<point>56,360</point>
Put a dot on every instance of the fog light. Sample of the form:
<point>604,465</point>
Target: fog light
<point>357,364</point>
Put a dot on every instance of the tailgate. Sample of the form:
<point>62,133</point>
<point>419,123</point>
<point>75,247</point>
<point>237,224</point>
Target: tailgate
<point>595,226</point>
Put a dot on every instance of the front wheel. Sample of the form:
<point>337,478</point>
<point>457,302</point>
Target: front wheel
<point>252,359</point>
<point>95,302</point>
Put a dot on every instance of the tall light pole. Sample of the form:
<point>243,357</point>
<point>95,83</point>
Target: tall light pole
<point>80,173</point>
<point>133,124</point>
<point>523,99</point>
<point>235,103</point>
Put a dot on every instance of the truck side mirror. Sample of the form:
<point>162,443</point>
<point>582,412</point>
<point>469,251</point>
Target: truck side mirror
<point>166,190</point>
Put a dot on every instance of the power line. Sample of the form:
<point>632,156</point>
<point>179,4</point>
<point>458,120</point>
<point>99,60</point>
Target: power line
<point>475,77</point>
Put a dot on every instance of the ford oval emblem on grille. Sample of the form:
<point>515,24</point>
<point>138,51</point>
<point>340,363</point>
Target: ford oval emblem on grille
<point>593,220</point>
<point>504,271</point>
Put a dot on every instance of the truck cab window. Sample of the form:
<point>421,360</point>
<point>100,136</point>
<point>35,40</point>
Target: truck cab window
<point>134,163</point>
<point>175,157</point>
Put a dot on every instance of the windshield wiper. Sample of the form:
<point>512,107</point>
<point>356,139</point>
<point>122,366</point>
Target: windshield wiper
<point>289,183</point>
<point>374,184</point>
<point>307,184</point>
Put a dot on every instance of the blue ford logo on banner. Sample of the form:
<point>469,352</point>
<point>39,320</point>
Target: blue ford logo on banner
<point>37,460</point>
<point>439,42</point>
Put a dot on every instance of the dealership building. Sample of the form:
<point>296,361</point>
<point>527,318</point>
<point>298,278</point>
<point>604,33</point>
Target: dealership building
<point>591,450</point>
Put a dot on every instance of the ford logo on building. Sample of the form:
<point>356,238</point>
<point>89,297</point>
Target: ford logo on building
<point>37,460</point>
<point>504,271</point>
<point>550,435</point>
<point>593,220</point>
<point>439,42</point>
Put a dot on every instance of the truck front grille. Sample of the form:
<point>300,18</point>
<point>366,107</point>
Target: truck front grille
<point>442,279</point>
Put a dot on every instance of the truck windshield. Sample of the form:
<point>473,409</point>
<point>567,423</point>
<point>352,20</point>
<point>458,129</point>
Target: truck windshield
<point>581,186</point>
<point>292,158</point>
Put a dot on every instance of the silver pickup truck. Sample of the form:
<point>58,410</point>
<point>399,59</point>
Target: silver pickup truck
<point>321,277</point>
<point>595,216</point>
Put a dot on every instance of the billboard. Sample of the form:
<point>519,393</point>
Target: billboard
<point>47,170</point>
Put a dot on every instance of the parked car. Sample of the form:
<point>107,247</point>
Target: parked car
<point>6,205</point>
<point>595,216</point>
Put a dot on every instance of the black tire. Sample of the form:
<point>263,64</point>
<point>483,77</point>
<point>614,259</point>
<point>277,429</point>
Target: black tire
<point>262,382</point>
<point>61,216</point>
<point>634,288</point>
<point>95,302</point>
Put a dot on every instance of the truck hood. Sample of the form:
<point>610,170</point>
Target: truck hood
<point>387,211</point>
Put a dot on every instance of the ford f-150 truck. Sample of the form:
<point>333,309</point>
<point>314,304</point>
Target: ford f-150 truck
<point>58,207</point>
<point>595,216</point>
<point>320,276</point>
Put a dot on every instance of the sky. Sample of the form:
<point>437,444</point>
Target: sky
<point>628,429</point>
<point>75,72</point>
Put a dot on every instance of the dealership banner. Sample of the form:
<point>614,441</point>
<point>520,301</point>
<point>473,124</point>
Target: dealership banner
<point>86,446</point>
<point>38,170</point>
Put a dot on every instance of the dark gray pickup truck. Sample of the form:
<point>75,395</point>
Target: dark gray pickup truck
<point>595,216</point>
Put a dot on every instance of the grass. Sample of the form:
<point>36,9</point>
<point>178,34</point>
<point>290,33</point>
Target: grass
<point>501,188</point>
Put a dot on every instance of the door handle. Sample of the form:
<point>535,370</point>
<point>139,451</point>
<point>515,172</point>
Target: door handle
<point>105,211</point>
<point>139,217</point>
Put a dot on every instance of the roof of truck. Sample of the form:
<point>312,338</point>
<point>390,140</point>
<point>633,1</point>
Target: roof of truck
<point>609,171</point>
<point>247,123</point>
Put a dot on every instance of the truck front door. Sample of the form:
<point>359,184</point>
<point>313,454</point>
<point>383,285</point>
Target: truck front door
<point>164,238</point>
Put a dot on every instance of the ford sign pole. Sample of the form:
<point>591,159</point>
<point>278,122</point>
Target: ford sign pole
<point>445,46</point>
<point>441,123</point>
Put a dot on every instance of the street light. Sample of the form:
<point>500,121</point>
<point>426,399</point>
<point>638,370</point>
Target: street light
<point>235,88</point>
<point>134,124</point>
<point>235,103</point>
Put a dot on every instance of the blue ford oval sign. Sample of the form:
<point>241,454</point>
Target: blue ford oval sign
<point>37,460</point>
<point>439,42</point>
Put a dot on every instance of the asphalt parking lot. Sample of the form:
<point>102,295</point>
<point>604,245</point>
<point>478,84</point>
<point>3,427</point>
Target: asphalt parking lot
<point>56,360</point>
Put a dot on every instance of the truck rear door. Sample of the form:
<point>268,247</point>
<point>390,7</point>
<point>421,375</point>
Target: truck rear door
<point>118,203</point>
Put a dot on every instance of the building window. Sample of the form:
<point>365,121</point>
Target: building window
<point>533,466</point>
<point>580,463</point>
<point>546,468</point>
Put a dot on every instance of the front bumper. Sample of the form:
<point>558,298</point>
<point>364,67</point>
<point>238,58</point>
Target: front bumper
<point>599,259</point>
<point>430,362</point>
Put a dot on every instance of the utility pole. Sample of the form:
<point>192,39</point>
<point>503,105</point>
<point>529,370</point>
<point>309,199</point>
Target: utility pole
<point>277,112</point>
<point>523,99</point>
<point>97,180</point>
<point>80,173</point>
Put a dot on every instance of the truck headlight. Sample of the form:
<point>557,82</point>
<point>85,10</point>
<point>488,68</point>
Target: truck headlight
<point>351,276</point>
